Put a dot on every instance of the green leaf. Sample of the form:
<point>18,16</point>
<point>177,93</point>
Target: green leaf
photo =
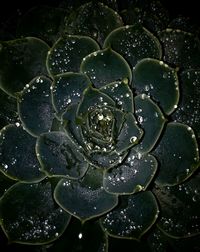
<point>159,81</point>
<point>42,22</point>
<point>20,61</point>
<point>176,203</point>
<point>181,48</point>
<point>35,106</point>
<point>81,237</point>
<point>151,120</point>
<point>8,109</point>
<point>105,66</point>
<point>86,198</point>
<point>177,153</point>
<point>134,175</point>
<point>67,89</point>
<point>59,156</point>
<point>121,93</point>
<point>94,20</point>
<point>68,52</point>
<point>129,135</point>
<point>5,183</point>
<point>29,214</point>
<point>17,155</point>
<point>189,105</point>
<point>92,99</point>
<point>133,217</point>
<point>134,43</point>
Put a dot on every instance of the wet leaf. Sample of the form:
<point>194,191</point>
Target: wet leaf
<point>159,81</point>
<point>68,52</point>
<point>23,222</point>
<point>121,93</point>
<point>59,156</point>
<point>133,217</point>
<point>105,66</point>
<point>189,105</point>
<point>67,89</point>
<point>133,175</point>
<point>17,155</point>
<point>176,203</point>
<point>86,198</point>
<point>177,153</point>
<point>134,43</point>
<point>93,19</point>
<point>20,61</point>
<point>35,106</point>
<point>181,49</point>
<point>151,120</point>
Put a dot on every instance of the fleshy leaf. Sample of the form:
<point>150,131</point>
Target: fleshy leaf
<point>59,156</point>
<point>121,93</point>
<point>176,203</point>
<point>93,19</point>
<point>134,43</point>
<point>158,80</point>
<point>8,109</point>
<point>177,153</point>
<point>181,49</point>
<point>105,66</point>
<point>42,22</point>
<point>81,237</point>
<point>151,120</point>
<point>20,61</point>
<point>86,198</point>
<point>132,176</point>
<point>5,183</point>
<point>67,53</point>
<point>130,133</point>
<point>67,89</point>
<point>23,222</point>
<point>93,98</point>
<point>17,154</point>
<point>35,106</point>
<point>189,105</point>
<point>133,217</point>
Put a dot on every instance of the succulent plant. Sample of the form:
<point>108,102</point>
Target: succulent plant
<point>100,130</point>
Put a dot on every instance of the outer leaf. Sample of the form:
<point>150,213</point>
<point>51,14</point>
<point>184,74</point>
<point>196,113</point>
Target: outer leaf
<point>59,156</point>
<point>177,153</point>
<point>29,214</point>
<point>17,155</point>
<point>42,22</point>
<point>189,105</point>
<point>86,198</point>
<point>176,203</point>
<point>20,61</point>
<point>121,93</point>
<point>181,49</point>
<point>105,66</point>
<point>81,237</point>
<point>67,53</point>
<point>134,43</point>
<point>67,89</point>
<point>158,80</point>
<point>132,176</point>
<point>8,109</point>
<point>5,183</point>
<point>94,20</point>
<point>151,120</point>
<point>133,217</point>
<point>35,106</point>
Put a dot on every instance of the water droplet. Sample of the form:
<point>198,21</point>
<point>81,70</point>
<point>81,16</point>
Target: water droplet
<point>80,235</point>
<point>133,139</point>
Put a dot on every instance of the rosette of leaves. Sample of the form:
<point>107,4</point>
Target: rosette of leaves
<point>100,132</point>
